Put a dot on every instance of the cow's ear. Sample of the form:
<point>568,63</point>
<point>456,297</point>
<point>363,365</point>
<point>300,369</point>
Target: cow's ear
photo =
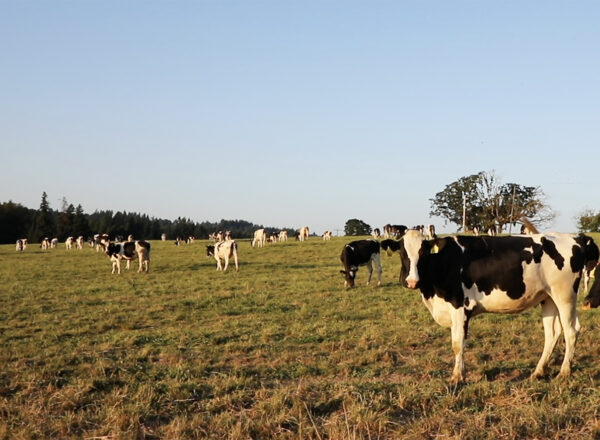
<point>437,245</point>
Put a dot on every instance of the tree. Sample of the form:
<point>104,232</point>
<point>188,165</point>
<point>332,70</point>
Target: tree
<point>490,203</point>
<point>355,226</point>
<point>44,222</point>
<point>80,223</point>
<point>64,220</point>
<point>589,221</point>
<point>15,220</point>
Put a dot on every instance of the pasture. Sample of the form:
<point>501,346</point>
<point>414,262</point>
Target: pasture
<point>279,350</point>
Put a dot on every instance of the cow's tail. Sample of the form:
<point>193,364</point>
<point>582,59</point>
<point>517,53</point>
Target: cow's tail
<point>529,225</point>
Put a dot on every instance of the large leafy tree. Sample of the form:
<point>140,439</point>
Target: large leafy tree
<point>490,203</point>
<point>589,221</point>
<point>355,226</point>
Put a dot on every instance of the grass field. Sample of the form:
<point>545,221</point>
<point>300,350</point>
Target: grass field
<point>279,350</point>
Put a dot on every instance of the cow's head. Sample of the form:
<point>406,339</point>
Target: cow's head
<point>349,276</point>
<point>592,300</point>
<point>414,252</point>
<point>210,250</point>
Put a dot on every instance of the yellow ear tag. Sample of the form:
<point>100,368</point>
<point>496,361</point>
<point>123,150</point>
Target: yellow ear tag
<point>435,249</point>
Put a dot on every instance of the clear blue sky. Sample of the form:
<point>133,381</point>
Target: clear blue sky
<point>291,113</point>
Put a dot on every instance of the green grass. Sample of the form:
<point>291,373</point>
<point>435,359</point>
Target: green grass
<point>279,350</point>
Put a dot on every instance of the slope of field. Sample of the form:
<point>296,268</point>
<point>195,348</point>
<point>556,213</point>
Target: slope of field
<point>279,350</point>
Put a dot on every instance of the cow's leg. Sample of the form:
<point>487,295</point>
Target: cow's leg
<point>219,267</point>
<point>377,261</point>
<point>459,321</point>
<point>226,262</point>
<point>568,318</point>
<point>127,265</point>
<point>370,270</point>
<point>552,331</point>
<point>235,260</point>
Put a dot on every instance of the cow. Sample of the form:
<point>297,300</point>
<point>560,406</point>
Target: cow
<point>592,300</point>
<point>430,232</point>
<point>260,238</point>
<point>273,237</point>
<point>360,253</point>
<point>79,242</point>
<point>303,233</point>
<point>460,277</point>
<point>222,251</point>
<point>53,243</point>
<point>283,236</point>
<point>69,243</point>
<point>376,233</point>
<point>45,244</point>
<point>101,241</point>
<point>130,237</point>
<point>21,244</point>
<point>394,231</point>
<point>326,235</point>
<point>128,251</point>
<point>163,237</point>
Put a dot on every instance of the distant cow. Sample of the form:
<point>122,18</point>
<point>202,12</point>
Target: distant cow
<point>101,241</point>
<point>303,233</point>
<point>260,238</point>
<point>360,253</point>
<point>69,243</point>
<point>394,231</point>
<point>463,276</point>
<point>129,251</point>
<point>283,235</point>
<point>163,237</point>
<point>21,244</point>
<point>326,235</point>
<point>45,243</point>
<point>430,232</point>
<point>79,242</point>
<point>223,251</point>
<point>376,233</point>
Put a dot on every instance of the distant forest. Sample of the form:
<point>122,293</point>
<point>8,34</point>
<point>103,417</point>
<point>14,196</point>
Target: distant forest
<point>17,221</point>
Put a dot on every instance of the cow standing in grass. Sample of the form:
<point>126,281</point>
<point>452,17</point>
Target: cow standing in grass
<point>223,251</point>
<point>360,253</point>
<point>128,251</point>
<point>463,276</point>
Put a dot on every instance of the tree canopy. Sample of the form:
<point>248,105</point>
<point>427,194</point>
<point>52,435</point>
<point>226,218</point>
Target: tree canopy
<point>355,226</point>
<point>490,203</point>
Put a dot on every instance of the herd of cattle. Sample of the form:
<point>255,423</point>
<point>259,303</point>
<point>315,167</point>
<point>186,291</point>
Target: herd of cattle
<point>458,276</point>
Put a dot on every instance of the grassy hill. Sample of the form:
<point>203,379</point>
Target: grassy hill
<point>279,350</point>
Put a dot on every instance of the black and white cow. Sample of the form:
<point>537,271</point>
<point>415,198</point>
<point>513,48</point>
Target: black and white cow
<point>128,251</point>
<point>592,300</point>
<point>376,233</point>
<point>223,251</point>
<point>395,231</point>
<point>463,276</point>
<point>21,244</point>
<point>360,253</point>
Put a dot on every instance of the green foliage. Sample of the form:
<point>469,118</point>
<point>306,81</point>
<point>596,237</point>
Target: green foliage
<point>44,224</point>
<point>15,220</point>
<point>589,221</point>
<point>355,226</point>
<point>490,203</point>
<point>279,350</point>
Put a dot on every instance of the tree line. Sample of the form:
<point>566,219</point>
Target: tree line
<point>18,222</point>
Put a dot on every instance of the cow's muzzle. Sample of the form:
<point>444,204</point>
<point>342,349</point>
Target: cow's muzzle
<point>412,284</point>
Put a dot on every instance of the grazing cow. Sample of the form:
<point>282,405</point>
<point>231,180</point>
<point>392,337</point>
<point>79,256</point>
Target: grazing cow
<point>21,244</point>
<point>283,235</point>
<point>492,231</point>
<point>163,237</point>
<point>53,243</point>
<point>592,300</point>
<point>430,232</point>
<point>303,233</point>
<point>222,251</point>
<point>260,238</point>
<point>45,243</point>
<point>274,237</point>
<point>463,276</point>
<point>79,242</point>
<point>376,233</point>
<point>326,235</point>
<point>69,243</point>
<point>360,253</point>
<point>476,230</point>
<point>129,251</point>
